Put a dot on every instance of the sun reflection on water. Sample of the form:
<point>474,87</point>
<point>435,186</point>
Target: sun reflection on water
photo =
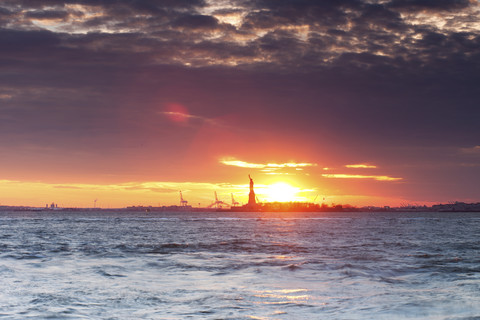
<point>283,257</point>
<point>283,296</point>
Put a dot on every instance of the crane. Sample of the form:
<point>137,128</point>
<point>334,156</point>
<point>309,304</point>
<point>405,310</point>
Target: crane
<point>183,203</point>
<point>217,203</point>
<point>234,203</point>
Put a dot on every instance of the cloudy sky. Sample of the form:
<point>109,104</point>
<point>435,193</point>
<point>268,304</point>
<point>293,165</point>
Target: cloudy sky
<point>129,101</point>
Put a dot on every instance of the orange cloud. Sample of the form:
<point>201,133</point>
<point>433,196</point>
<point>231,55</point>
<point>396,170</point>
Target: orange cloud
<point>4,96</point>
<point>358,176</point>
<point>242,164</point>
<point>269,166</point>
<point>361,166</point>
<point>178,113</point>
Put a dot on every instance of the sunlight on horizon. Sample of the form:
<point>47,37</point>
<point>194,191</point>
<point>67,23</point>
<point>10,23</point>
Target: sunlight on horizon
<point>280,192</point>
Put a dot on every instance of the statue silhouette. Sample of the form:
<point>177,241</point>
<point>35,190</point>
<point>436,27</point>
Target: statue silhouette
<point>251,195</point>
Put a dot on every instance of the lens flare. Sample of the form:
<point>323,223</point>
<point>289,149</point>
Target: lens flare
<point>176,112</point>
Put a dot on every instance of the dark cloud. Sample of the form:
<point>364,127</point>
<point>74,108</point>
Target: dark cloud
<point>139,5</point>
<point>307,6</point>
<point>4,12</point>
<point>331,30</point>
<point>275,13</point>
<point>196,22</point>
<point>429,4</point>
<point>47,14</point>
<point>155,6</point>
<point>15,42</point>
<point>380,16</point>
<point>5,16</point>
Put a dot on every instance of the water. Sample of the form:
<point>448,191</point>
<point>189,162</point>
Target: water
<point>98,265</point>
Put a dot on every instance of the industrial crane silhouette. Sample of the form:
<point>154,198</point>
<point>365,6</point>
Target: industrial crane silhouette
<point>234,203</point>
<point>183,203</point>
<point>217,203</point>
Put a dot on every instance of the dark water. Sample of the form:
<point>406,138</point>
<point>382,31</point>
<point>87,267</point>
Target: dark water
<point>101,265</point>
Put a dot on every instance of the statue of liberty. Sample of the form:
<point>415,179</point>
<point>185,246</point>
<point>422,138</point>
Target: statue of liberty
<point>251,195</point>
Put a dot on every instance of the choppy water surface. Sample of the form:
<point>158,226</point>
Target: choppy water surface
<point>101,265</point>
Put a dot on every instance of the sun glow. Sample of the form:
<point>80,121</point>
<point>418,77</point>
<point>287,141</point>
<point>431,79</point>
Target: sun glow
<point>280,192</point>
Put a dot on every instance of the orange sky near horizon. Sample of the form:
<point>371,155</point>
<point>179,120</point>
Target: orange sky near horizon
<point>274,181</point>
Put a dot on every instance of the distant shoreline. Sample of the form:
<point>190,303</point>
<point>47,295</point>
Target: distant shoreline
<point>268,207</point>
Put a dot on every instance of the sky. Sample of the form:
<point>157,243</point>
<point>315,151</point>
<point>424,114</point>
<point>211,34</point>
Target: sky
<point>127,102</point>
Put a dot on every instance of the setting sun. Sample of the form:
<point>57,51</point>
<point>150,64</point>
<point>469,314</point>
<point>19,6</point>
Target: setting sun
<point>281,192</point>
